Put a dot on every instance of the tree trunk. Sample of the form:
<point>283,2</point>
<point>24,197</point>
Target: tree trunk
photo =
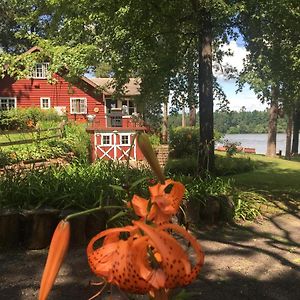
<point>296,128</point>
<point>165,123</point>
<point>288,136</point>
<point>183,121</point>
<point>206,145</point>
<point>272,127</point>
<point>288,140</point>
<point>192,116</point>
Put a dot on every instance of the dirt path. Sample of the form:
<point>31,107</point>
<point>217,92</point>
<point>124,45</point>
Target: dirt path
<point>253,261</point>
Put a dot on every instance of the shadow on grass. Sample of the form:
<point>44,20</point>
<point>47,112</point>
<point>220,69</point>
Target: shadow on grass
<point>270,180</point>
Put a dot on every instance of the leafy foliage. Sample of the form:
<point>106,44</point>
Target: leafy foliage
<point>24,118</point>
<point>233,165</point>
<point>75,141</point>
<point>247,205</point>
<point>245,122</point>
<point>198,189</point>
<point>269,29</point>
<point>78,186</point>
<point>184,141</point>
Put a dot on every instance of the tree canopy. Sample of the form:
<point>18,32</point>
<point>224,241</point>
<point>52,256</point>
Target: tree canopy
<point>170,45</point>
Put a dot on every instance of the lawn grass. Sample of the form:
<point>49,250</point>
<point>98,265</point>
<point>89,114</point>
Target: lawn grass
<point>276,179</point>
<point>7,136</point>
<point>271,174</point>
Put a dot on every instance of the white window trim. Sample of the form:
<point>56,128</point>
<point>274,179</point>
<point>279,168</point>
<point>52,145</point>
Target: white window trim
<point>78,113</point>
<point>45,66</point>
<point>134,107</point>
<point>125,134</point>
<point>49,102</point>
<point>110,139</point>
<point>15,100</point>
<point>119,104</point>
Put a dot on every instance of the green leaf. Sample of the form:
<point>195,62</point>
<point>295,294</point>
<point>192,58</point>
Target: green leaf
<point>117,188</point>
<point>137,182</point>
<point>117,216</point>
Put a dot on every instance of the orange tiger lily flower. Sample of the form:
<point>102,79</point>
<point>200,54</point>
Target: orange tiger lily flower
<point>174,260</point>
<point>127,263</point>
<point>58,248</point>
<point>164,205</point>
<point>115,259</point>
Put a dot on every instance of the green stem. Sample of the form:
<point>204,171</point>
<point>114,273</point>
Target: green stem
<point>92,210</point>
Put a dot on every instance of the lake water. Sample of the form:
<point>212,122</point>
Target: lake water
<point>257,141</point>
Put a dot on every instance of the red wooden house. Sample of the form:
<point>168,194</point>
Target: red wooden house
<point>112,122</point>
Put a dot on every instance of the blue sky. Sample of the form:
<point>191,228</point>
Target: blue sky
<point>245,98</point>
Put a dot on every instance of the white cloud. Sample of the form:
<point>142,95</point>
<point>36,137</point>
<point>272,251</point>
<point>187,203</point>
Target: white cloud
<point>245,98</point>
<point>235,60</point>
<point>239,53</point>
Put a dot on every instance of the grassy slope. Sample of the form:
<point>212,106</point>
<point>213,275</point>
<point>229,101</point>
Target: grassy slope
<point>271,174</point>
<point>275,178</point>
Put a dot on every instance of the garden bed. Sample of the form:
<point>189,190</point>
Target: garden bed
<point>38,164</point>
<point>33,229</point>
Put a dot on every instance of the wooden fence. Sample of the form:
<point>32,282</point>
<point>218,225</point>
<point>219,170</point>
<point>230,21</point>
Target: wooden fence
<point>59,132</point>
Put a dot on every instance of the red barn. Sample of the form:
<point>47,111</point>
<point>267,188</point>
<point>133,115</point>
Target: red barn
<point>112,121</point>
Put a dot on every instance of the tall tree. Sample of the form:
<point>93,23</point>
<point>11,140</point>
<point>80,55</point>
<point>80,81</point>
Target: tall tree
<point>206,146</point>
<point>147,38</point>
<point>269,29</point>
<point>272,128</point>
<point>296,129</point>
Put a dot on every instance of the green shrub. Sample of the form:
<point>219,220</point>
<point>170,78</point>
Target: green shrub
<point>247,205</point>
<point>223,166</point>
<point>23,118</point>
<point>198,189</point>
<point>232,165</point>
<point>231,147</point>
<point>184,166</point>
<point>184,141</point>
<point>77,186</point>
<point>78,140</point>
<point>154,140</point>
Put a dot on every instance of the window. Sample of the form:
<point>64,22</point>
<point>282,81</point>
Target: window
<point>116,121</point>
<point>45,103</point>
<point>128,107</point>
<point>78,105</point>
<point>7,103</point>
<point>125,140</point>
<point>40,71</point>
<point>106,140</point>
<point>110,103</point>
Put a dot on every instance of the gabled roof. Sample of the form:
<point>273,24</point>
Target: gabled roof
<point>131,88</point>
<point>33,49</point>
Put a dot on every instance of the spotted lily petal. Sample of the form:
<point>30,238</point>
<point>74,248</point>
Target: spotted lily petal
<point>139,205</point>
<point>154,276</point>
<point>114,260</point>
<point>196,247</point>
<point>167,203</point>
<point>175,262</point>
